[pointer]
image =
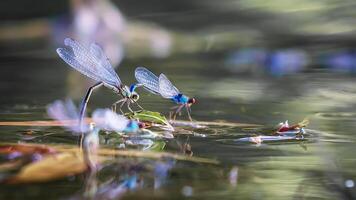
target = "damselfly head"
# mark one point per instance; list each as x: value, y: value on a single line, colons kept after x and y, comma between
x: 141, y: 125
x: 191, y: 101
x: 135, y: 96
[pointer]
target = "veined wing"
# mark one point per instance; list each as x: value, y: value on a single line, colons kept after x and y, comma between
x: 108, y: 120
x: 96, y: 59
x: 148, y: 79
x: 166, y: 88
x: 98, y: 52
x: 66, y: 113
x: 92, y: 63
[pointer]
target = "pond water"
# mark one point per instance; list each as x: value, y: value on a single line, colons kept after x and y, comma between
x: 319, y: 167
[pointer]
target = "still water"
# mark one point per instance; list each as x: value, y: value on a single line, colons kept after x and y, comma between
x: 320, y: 167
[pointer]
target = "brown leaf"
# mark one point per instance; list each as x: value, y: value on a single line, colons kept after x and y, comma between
x: 51, y: 167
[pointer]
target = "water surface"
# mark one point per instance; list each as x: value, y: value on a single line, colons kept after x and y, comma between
x: 316, y: 168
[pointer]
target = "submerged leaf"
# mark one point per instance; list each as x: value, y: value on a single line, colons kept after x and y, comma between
x: 51, y: 167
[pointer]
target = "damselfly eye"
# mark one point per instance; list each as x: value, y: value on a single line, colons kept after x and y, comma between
x: 135, y: 97
x: 191, y: 101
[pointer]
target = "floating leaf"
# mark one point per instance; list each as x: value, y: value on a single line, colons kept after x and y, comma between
x: 150, y: 116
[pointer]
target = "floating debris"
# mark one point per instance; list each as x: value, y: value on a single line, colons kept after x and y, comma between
x: 296, y: 129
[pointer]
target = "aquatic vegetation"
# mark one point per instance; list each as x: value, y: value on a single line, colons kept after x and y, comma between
x: 150, y: 118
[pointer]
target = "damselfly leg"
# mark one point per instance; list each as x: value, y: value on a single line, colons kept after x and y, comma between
x: 188, y: 111
x: 177, y: 111
x: 122, y: 101
x: 171, y: 113
x: 139, y: 105
x: 128, y: 102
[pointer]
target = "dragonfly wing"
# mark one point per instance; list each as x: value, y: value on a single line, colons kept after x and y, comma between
x: 166, y: 88
x: 87, y: 62
x: 108, y: 120
x: 64, y: 112
x: 148, y: 79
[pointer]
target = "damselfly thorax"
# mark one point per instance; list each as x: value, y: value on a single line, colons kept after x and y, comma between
x: 128, y: 96
x: 128, y: 92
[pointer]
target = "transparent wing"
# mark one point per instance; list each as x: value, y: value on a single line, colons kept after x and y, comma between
x: 98, y: 52
x: 166, y: 88
x: 92, y: 63
x: 67, y: 114
x: 108, y: 120
x: 148, y: 79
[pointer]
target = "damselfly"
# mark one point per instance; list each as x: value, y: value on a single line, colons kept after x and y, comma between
x: 93, y: 63
x: 162, y: 86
